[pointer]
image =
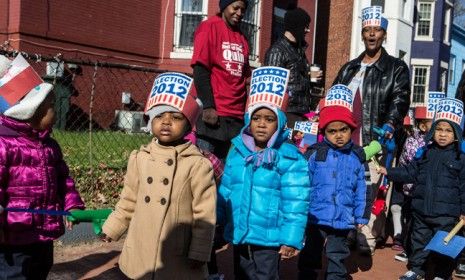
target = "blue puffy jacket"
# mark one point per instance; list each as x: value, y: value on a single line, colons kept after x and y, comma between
x: 339, y: 196
x: 264, y: 204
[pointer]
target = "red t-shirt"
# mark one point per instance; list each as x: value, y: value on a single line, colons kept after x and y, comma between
x: 225, y: 52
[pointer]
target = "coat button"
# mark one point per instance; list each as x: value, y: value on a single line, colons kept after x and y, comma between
x: 147, y: 199
x: 149, y: 180
x: 163, y: 201
x: 169, y: 162
x: 166, y: 181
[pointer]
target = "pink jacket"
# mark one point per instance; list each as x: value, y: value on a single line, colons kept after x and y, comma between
x: 33, y: 175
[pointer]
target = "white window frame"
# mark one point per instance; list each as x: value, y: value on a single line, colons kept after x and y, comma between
x: 182, y: 52
x: 430, y: 36
x: 451, y: 72
x: 426, y: 85
x: 447, y: 24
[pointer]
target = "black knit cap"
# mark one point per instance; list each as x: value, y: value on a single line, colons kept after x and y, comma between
x: 295, y: 21
x: 225, y: 3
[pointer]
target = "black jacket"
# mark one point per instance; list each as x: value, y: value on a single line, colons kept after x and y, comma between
x: 439, y: 179
x: 287, y: 55
x: 386, y: 91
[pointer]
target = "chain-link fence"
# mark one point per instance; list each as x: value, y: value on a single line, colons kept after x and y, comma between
x: 99, y: 118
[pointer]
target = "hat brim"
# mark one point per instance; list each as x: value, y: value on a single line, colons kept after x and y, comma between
x: 26, y: 107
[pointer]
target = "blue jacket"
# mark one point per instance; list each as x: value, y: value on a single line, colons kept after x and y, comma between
x: 439, y: 178
x: 264, y: 203
x: 339, y: 196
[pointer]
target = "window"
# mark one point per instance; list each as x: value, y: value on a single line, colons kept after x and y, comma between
x: 443, y: 81
x: 378, y: 3
x: 452, y: 69
x: 402, y: 54
x: 188, y: 15
x: 249, y: 27
x: 420, y: 83
x: 424, y: 26
x: 446, y: 29
x: 403, y: 9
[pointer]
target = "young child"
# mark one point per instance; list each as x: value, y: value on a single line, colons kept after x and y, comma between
x: 338, y: 201
x: 33, y: 174
x: 438, y: 199
x: 168, y: 201
x: 401, y: 195
x: 263, y: 197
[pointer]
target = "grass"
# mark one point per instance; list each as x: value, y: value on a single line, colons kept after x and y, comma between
x: 101, y: 148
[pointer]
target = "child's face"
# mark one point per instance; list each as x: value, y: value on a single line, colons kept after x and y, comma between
x: 44, y: 117
x: 169, y: 127
x: 444, y: 134
x: 425, y: 125
x: 338, y: 133
x: 263, y: 125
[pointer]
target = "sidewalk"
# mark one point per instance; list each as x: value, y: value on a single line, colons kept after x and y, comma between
x: 97, y: 259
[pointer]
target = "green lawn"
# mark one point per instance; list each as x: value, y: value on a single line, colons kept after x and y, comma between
x: 102, y: 148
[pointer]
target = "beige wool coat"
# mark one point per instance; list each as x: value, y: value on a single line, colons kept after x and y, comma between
x: 168, y: 208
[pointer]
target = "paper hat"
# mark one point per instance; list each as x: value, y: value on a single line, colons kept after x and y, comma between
x: 21, y: 88
x: 310, y: 131
x: 337, y: 106
x: 427, y: 111
x: 371, y: 16
x: 171, y: 93
x: 268, y: 88
x: 450, y: 109
x: 409, y: 118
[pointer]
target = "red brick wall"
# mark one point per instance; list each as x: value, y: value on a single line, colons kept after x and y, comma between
x: 334, y: 30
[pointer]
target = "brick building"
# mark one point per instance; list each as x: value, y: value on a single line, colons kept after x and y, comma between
x: 159, y: 34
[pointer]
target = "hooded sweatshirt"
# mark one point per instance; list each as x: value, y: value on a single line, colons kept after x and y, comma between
x: 266, y: 191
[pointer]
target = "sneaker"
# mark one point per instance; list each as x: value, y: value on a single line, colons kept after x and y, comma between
x: 460, y: 271
x: 402, y: 257
x: 410, y: 275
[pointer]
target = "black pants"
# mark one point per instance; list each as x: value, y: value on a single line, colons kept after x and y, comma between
x: 336, y: 251
x: 423, y: 230
x: 27, y: 262
x: 256, y: 262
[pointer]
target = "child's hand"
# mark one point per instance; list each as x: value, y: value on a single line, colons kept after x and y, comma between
x: 382, y: 170
x: 287, y: 252
x: 105, y: 238
x: 462, y: 217
x: 195, y: 264
x: 68, y: 224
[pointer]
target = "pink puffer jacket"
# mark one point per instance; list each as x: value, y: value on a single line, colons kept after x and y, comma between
x: 33, y: 175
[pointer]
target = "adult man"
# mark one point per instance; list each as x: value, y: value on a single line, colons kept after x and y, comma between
x: 381, y: 84
x: 221, y: 67
x: 289, y: 52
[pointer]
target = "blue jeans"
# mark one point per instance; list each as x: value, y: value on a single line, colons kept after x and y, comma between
x: 310, y: 258
x: 256, y: 262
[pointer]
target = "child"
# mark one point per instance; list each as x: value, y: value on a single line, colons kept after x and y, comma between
x: 438, y: 199
x: 33, y: 174
x: 401, y: 196
x: 263, y: 197
x: 338, y: 201
x: 168, y: 201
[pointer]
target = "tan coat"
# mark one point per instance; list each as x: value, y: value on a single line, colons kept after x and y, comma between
x: 168, y: 206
